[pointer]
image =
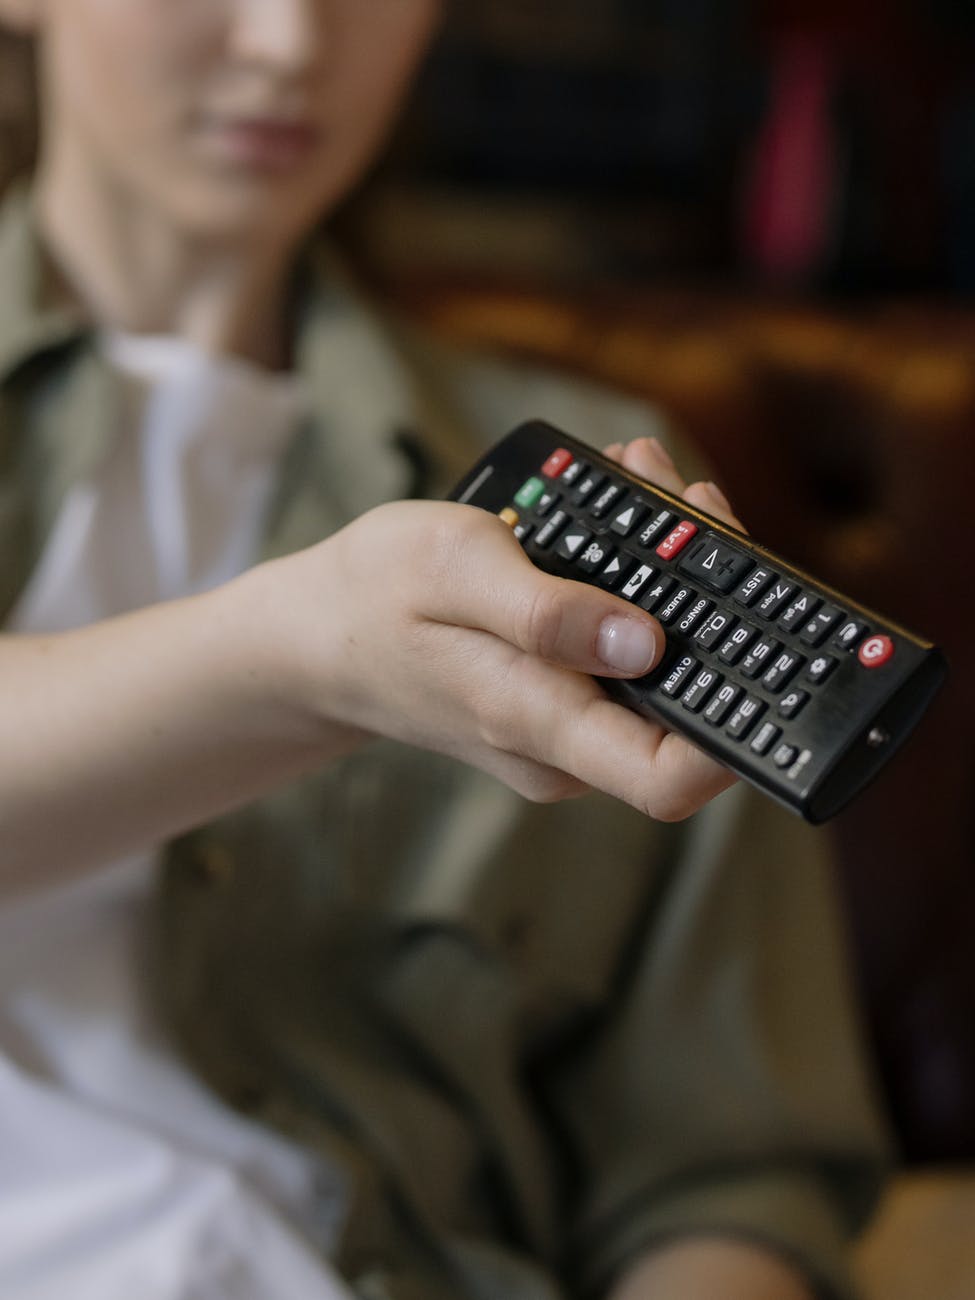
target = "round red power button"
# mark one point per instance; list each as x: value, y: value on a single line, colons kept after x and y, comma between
x: 876, y: 650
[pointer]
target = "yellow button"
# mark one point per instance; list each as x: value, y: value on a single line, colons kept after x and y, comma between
x: 509, y: 516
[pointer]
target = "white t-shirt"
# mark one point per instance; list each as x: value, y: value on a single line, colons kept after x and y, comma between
x: 121, y: 1176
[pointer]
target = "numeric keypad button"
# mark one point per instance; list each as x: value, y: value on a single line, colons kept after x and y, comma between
x: 817, y: 629
x: 760, y: 656
x: 699, y: 689
x: 714, y: 629
x: 799, y: 611
x: 783, y: 669
x: 747, y: 712
x: 721, y: 703
x: 776, y: 596
x: 736, y: 643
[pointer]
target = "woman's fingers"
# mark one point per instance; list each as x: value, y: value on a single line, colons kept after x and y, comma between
x: 482, y: 579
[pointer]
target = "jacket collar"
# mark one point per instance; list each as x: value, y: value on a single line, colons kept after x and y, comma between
x: 377, y: 429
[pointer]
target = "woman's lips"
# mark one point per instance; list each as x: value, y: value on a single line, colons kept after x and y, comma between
x: 268, y: 144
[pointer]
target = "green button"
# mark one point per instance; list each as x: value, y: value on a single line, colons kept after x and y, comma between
x: 529, y: 492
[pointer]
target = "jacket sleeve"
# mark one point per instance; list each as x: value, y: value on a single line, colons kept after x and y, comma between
x: 725, y: 1090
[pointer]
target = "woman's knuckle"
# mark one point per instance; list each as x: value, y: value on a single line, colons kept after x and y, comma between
x: 542, y: 620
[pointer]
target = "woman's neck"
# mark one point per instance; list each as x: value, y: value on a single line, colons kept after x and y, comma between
x: 135, y: 270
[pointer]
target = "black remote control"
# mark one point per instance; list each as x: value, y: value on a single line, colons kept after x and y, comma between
x: 793, y: 686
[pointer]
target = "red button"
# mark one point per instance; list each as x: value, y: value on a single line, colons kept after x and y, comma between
x: 678, y: 538
x: 557, y: 463
x: 876, y: 650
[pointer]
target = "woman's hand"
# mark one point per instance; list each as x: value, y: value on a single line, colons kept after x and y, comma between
x: 426, y: 622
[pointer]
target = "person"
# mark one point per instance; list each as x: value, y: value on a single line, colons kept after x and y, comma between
x: 455, y: 1041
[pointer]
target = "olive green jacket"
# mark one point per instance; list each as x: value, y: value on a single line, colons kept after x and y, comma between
x: 534, y: 1041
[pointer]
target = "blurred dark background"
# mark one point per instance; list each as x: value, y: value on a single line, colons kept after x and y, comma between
x: 826, y: 146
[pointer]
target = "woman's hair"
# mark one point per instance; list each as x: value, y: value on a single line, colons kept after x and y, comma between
x: 18, y: 107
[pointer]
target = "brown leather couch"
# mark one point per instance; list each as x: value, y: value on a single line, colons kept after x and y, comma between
x: 846, y: 440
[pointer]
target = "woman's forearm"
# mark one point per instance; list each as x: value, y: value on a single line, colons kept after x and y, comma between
x: 118, y: 735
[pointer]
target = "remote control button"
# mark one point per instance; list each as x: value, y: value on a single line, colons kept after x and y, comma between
x: 875, y: 651
x: 785, y: 755
x: 801, y: 609
x: 786, y: 665
x: 700, y: 688
x: 528, y: 493
x: 776, y: 596
x: 573, y: 472
x: 586, y: 486
x: 573, y: 542
x: 626, y: 521
x: 759, y: 656
x: 677, y: 539
x: 721, y: 703
x: 596, y: 554
x: 714, y: 629
x: 716, y: 565
x: 674, y: 680
x: 605, y: 501
x: 523, y: 531
x: 691, y: 617
x: 765, y: 737
x: 675, y: 603
x: 820, y: 625
x: 551, y: 528
x: 557, y: 463
x: 737, y: 643
x: 509, y: 516
x: 791, y: 705
x: 753, y: 586
x: 546, y: 503
x: 616, y: 570
x: 637, y: 581
x: 660, y: 590
x: 660, y: 522
x: 746, y: 714
x: 820, y: 669
x: 850, y: 634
